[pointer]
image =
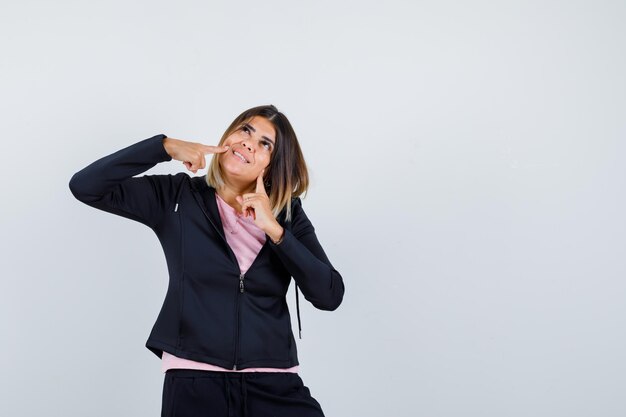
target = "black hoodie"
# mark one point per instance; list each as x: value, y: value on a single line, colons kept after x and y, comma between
x: 212, y: 313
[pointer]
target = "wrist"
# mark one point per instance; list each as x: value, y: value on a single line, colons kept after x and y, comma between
x: 276, y: 234
x: 166, y: 145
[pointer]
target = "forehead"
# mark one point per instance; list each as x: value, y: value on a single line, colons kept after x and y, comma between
x: 263, y: 127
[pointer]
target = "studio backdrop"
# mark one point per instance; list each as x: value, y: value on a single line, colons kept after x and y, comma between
x: 467, y: 180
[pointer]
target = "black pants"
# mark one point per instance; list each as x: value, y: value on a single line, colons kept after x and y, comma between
x: 198, y: 393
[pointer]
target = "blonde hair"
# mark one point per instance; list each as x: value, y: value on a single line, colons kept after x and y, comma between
x: 286, y: 176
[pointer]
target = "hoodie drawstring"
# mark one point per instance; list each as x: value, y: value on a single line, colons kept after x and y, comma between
x: 180, y: 187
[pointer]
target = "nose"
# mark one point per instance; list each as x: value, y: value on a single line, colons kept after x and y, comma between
x: 247, y: 146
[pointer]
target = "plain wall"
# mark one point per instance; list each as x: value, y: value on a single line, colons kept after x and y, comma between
x: 467, y: 167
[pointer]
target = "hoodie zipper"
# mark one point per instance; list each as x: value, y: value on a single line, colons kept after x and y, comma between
x: 241, y: 290
x: 239, y: 295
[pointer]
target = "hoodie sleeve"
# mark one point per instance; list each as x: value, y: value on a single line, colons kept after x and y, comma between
x: 303, y: 256
x: 108, y: 183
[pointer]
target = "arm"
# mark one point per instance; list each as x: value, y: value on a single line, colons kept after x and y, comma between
x: 303, y: 256
x: 108, y: 183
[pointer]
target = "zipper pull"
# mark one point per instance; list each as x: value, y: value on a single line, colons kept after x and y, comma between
x: 235, y: 367
x: 241, y: 282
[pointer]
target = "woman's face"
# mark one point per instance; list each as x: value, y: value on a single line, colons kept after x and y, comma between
x: 251, y: 148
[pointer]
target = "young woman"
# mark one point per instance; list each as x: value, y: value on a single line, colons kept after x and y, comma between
x: 233, y: 239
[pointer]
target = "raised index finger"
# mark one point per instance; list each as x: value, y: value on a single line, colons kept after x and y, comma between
x: 215, y: 149
x: 260, y: 187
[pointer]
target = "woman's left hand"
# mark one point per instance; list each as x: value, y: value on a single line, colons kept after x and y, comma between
x: 257, y: 205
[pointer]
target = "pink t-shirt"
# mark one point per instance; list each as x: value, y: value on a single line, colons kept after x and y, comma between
x: 246, y: 240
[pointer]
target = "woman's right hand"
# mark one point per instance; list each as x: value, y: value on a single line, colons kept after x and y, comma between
x: 192, y: 154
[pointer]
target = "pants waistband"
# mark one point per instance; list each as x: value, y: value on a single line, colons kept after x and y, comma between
x: 201, y: 373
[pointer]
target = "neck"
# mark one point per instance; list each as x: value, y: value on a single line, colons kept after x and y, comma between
x: 230, y: 190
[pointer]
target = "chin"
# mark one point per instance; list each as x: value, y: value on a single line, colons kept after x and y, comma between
x: 237, y: 176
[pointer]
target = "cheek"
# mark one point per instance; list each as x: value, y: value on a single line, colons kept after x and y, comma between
x: 233, y: 138
x: 265, y: 157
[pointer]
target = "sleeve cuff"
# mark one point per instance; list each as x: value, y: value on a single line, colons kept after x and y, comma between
x: 284, y: 241
x: 163, y: 155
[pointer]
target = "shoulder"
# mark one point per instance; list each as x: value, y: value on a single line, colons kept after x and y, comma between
x: 166, y: 182
x: 295, y: 205
x: 198, y: 183
x: 300, y: 223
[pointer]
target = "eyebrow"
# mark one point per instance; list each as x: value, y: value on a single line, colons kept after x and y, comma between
x: 264, y: 137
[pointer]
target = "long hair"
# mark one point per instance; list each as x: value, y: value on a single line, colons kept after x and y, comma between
x: 286, y: 176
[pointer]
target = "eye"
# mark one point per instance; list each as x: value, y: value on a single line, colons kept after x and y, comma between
x: 267, y: 145
x: 245, y: 129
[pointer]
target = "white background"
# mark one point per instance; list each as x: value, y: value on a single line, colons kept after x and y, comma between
x: 467, y: 167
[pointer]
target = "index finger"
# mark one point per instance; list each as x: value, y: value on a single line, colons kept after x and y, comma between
x: 215, y: 149
x: 260, y: 187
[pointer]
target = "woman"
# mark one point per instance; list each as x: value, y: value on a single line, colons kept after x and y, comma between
x: 233, y: 239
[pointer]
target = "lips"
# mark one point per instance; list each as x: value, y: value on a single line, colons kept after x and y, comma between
x: 242, y: 157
